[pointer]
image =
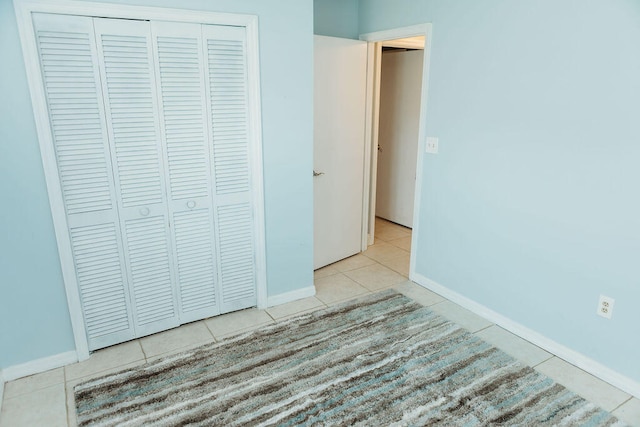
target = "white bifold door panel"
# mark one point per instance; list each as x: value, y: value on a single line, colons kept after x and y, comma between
x: 340, y: 67
x: 400, y: 92
x: 69, y: 64
x: 228, y: 117
x: 183, y: 117
x: 128, y: 85
x: 149, y: 124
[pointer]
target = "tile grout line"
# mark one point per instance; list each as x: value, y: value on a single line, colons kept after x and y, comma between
x: 270, y: 315
x: 209, y: 330
x: 528, y: 342
x: 545, y: 360
x: 346, y: 299
x: 66, y: 392
x: 440, y: 302
x: 329, y: 275
x: 144, y: 353
x: 485, y: 328
x: 299, y: 313
x: 623, y: 403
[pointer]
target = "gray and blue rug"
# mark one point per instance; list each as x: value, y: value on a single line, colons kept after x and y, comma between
x: 380, y: 360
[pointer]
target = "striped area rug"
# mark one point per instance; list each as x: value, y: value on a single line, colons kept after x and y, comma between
x: 381, y: 360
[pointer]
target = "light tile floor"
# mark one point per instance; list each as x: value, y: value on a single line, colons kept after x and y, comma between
x: 46, y: 399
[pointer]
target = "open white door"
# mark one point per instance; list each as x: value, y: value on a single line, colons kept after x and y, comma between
x: 339, y: 124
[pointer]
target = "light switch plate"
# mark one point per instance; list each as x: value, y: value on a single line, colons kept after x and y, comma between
x: 432, y: 145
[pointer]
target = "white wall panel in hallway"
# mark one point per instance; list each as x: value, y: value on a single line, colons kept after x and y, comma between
x: 400, y: 92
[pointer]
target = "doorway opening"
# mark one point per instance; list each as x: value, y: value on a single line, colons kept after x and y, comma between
x: 397, y: 78
x: 347, y: 133
x: 398, y: 124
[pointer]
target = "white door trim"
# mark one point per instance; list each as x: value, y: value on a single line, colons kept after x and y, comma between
x: 24, y: 9
x: 372, y: 111
x: 373, y: 97
x: 370, y: 115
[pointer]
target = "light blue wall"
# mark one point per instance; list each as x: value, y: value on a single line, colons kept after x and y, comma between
x: 34, y: 319
x: 532, y: 206
x: 336, y: 18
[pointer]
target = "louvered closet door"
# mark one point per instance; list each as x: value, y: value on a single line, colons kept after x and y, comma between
x: 129, y: 87
x: 226, y: 72
x: 183, y: 117
x: 70, y: 75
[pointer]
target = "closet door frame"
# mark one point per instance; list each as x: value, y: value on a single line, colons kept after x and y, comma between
x: 24, y: 10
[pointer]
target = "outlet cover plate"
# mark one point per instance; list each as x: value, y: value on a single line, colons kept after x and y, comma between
x: 605, y: 306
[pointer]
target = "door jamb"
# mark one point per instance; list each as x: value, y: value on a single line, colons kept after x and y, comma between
x: 372, y: 109
x: 372, y: 117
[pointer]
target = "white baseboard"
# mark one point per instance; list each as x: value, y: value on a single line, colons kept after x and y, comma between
x: 39, y: 365
x: 575, y: 358
x: 1, y: 389
x: 291, y: 296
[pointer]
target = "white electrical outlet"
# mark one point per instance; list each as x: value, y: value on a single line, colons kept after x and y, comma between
x: 605, y: 306
x: 432, y: 145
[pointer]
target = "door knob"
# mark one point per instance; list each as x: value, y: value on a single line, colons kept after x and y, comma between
x: 144, y: 211
x: 191, y: 204
x: 317, y: 173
